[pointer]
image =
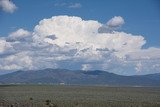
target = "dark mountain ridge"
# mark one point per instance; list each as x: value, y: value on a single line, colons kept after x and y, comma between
x: 79, y: 77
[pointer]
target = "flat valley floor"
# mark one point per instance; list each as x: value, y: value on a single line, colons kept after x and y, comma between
x: 78, y: 96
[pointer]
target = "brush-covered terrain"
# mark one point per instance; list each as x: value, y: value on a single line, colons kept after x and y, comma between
x: 78, y: 96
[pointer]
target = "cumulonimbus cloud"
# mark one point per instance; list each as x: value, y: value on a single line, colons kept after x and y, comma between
x: 7, y: 6
x: 73, y: 43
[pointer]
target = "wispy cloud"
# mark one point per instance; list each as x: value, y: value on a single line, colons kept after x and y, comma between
x: 60, y: 4
x: 75, y: 5
x: 68, y: 5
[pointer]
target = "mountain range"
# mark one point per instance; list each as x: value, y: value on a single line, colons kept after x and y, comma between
x: 78, y: 77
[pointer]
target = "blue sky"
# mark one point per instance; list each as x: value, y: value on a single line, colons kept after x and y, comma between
x: 130, y: 40
x: 141, y: 16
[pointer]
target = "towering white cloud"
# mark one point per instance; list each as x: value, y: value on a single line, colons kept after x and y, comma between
x: 73, y: 43
x: 7, y: 6
x: 66, y: 29
x: 77, y: 33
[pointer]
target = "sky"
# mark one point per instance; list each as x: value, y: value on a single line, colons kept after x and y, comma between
x: 121, y: 36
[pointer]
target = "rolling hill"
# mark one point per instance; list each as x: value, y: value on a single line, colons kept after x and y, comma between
x: 78, y: 77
